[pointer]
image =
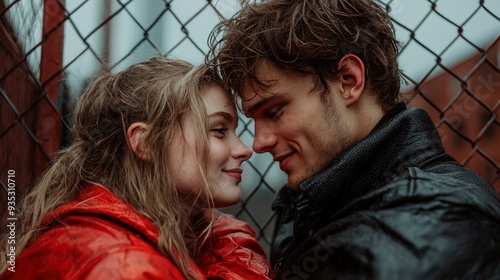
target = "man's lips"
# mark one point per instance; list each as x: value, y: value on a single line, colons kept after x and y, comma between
x: 284, y: 160
x: 235, y: 173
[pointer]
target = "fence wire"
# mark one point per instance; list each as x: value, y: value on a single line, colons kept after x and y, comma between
x: 50, y: 49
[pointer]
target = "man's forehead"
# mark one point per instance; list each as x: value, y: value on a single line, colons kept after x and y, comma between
x: 265, y: 71
x: 265, y: 76
x: 263, y: 87
x: 254, y: 101
x: 249, y: 97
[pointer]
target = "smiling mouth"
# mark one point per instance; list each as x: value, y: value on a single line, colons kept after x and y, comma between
x: 235, y: 173
x: 284, y: 161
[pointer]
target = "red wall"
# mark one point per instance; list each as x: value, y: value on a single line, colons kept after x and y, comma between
x: 470, y: 130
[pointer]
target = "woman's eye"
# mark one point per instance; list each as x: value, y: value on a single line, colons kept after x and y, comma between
x: 222, y: 131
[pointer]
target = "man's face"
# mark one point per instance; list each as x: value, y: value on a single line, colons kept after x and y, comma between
x: 302, y: 131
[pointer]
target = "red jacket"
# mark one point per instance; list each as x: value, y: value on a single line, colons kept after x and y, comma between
x: 99, y: 236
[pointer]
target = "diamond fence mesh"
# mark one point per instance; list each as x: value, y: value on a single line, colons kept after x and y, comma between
x: 49, y: 49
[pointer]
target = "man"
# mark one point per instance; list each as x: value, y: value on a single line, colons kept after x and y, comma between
x: 371, y: 192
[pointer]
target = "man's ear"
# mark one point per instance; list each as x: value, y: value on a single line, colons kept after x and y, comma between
x: 352, y: 78
x: 135, y: 137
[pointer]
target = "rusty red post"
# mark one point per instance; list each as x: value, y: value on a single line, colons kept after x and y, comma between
x: 48, y: 123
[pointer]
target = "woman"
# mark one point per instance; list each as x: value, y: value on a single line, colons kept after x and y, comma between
x: 154, y: 147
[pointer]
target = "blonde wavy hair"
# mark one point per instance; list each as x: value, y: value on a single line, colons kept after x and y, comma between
x: 159, y: 92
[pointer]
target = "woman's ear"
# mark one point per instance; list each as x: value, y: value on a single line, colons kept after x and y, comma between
x: 352, y: 78
x: 135, y: 137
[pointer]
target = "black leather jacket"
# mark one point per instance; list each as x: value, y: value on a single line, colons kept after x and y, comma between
x: 394, y: 206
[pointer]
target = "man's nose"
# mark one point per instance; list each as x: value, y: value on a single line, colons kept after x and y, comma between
x: 265, y: 139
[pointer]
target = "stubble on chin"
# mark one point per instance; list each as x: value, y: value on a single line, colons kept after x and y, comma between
x: 330, y: 155
x: 294, y: 181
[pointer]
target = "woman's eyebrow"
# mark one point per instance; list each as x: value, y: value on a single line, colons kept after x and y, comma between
x: 224, y: 115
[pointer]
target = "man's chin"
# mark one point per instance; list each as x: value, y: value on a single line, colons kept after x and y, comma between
x: 295, y: 180
x: 293, y: 183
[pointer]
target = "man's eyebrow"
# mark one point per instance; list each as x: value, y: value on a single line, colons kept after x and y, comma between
x: 255, y: 107
x: 223, y: 114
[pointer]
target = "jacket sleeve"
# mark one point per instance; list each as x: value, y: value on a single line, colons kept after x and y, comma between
x: 233, y: 252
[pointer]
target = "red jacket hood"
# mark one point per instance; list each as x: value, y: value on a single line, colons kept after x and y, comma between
x: 98, y: 200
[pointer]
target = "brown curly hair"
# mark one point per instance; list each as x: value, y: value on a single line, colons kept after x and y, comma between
x: 309, y: 38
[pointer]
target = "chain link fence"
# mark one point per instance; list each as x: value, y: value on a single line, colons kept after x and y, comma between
x: 49, y: 49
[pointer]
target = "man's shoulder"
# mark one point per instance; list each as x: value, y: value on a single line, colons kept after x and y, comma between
x: 407, y: 227
x: 419, y: 186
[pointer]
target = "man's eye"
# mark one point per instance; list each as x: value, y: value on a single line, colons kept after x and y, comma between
x: 274, y: 113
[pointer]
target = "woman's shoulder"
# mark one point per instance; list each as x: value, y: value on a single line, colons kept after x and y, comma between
x: 95, y: 234
x: 90, y: 256
x: 80, y: 253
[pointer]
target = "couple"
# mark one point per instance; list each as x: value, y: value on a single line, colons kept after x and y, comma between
x: 371, y: 193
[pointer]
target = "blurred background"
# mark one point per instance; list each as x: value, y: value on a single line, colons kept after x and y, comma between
x: 50, y: 49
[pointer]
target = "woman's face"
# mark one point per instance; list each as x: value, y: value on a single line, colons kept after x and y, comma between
x: 225, y: 155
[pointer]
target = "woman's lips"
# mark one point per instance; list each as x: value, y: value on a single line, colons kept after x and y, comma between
x: 235, y: 173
